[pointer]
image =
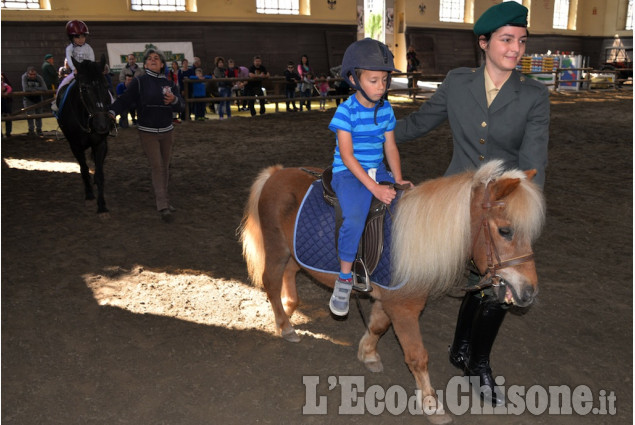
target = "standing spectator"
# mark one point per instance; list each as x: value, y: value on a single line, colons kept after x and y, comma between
x: 134, y: 70
x: 292, y: 79
x: 7, y: 105
x: 224, y: 88
x: 131, y: 68
x: 234, y: 72
x: 188, y: 72
x: 121, y: 89
x: 413, y: 66
x: 306, y: 88
x: 199, y: 90
x: 323, y: 88
x: 49, y: 73
x: 341, y: 87
x: 254, y: 86
x: 176, y: 76
x: 33, y: 82
x: 156, y: 97
x: 243, y: 72
x: 185, y: 73
x: 303, y: 69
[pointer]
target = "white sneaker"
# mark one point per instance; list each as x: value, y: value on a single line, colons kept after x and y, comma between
x: 341, y: 294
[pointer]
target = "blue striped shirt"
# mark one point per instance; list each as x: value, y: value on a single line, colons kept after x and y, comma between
x: 368, y: 137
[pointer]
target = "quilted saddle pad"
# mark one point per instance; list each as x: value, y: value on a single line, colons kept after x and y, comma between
x: 314, y: 238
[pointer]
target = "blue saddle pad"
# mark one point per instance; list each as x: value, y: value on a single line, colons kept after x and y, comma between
x: 314, y: 238
x: 64, y: 94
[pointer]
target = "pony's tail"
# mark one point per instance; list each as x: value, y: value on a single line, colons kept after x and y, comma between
x: 249, y: 230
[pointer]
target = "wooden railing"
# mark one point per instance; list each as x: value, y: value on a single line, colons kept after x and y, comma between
x: 275, y: 90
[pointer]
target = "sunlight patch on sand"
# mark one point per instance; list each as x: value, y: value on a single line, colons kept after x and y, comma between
x: 50, y: 166
x: 195, y: 298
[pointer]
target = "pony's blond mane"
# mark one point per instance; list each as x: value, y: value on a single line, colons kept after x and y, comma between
x: 431, y: 238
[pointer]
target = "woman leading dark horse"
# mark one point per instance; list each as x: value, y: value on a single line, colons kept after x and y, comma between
x: 156, y: 99
x: 494, y: 113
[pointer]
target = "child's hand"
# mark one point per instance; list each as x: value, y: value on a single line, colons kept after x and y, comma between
x: 384, y: 193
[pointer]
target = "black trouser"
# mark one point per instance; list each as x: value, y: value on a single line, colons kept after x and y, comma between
x: 255, y: 91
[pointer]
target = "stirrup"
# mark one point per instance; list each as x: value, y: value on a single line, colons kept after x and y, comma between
x: 357, y: 285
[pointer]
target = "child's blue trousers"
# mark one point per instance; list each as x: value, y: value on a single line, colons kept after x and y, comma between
x: 355, y: 201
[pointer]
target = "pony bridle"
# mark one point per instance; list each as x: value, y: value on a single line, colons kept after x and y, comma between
x: 494, y: 262
x: 93, y: 108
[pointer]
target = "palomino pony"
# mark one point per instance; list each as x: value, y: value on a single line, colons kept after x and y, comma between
x: 83, y: 118
x: 490, y: 216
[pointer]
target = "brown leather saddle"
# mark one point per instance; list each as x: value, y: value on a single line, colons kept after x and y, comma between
x: 371, y: 244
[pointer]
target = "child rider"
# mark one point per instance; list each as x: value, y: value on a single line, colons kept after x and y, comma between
x: 364, y: 126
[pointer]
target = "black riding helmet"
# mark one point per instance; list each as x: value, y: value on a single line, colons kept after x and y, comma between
x: 367, y: 54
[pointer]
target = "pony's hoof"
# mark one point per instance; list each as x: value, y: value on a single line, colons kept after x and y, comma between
x: 439, y: 418
x: 291, y: 336
x: 375, y: 366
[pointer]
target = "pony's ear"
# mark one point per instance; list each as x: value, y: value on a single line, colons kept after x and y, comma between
x: 531, y: 174
x: 75, y: 62
x: 102, y: 61
x: 502, y: 188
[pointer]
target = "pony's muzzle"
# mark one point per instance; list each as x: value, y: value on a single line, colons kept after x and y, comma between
x: 521, y: 298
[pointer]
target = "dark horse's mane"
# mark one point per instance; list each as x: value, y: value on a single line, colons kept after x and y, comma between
x: 85, y: 122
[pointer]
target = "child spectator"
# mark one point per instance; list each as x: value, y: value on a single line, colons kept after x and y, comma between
x: 292, y: 79
x: 323, y: 87
x: 121, y: 89
x: 306, y: 88
x: 199, y: 90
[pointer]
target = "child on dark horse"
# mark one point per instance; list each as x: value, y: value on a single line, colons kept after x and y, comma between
x: 364, y: 126
x: 78, y: 49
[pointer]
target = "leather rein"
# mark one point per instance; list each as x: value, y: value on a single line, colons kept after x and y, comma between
x: 494, y: 262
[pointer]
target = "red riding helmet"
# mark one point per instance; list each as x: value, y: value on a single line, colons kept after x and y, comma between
x: 76, y: 27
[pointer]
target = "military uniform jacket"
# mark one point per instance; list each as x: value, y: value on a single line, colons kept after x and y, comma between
x: 515, y: 127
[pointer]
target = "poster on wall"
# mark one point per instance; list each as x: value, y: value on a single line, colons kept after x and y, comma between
x: 173, y: 51
x: 571, y: 74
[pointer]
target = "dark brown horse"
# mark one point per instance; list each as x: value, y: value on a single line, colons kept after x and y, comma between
x: 490, y: 216
x: 83, y: 118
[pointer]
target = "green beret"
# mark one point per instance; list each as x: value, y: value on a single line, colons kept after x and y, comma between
x: 48, y: 56
x: 507, y: 13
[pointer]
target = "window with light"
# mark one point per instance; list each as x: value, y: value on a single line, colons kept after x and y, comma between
x: 452, y: 10
x: 561, y: 14
x: 278, y: 7
x: 158, y: 5
x: 20, y: 5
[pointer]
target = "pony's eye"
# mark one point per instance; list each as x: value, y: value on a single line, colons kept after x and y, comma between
x: 506, y: 232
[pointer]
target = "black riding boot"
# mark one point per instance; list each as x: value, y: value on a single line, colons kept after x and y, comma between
x: 459, y: 351
x: 488, y: 320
